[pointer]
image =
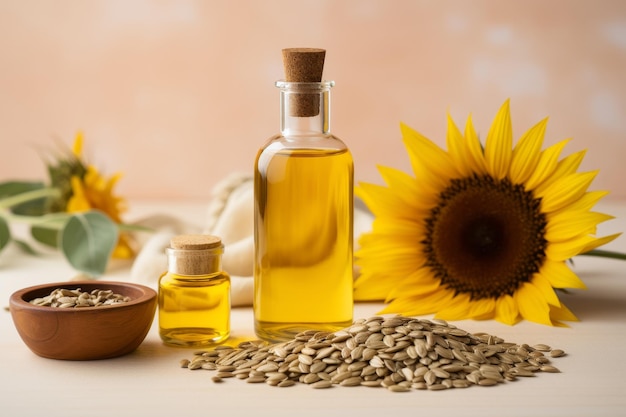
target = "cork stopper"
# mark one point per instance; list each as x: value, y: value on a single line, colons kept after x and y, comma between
x: 195, y: 242
x: 304, y: 65
x: 194, y: 254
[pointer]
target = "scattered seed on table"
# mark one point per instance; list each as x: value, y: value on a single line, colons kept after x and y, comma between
x: 556, y: 353
x: 397, y: 353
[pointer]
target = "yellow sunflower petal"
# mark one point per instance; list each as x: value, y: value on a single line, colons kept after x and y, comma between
x: 566, y: 166
x: 601, y: 241
x: 476, y: 153
x: 559, y: 275
x: 569, y: 224
x: 77, y: 148
x: 430, y: 163
x: 92, y: 177
x: 408, y: 189
x: 482, y: 309
x: 548, y: 161
x: 507, y: 311
x: 368, y: 275
x: 584, y: 203
x: 124, y: 248
x: 562, y: 251
x: 545, y: 287
x: 561, y: 313
x: 457, y: 149
x: 527, y: 153
x: 78, y: 202
x: 420, y: 305
x: 532, y: 304
x: 565, y: 191
x: 487, y: 316
x: 418, y: 283
x: 398, y: 229
x: 383, y: 241
x: 379, y: 199
x: 382, y: 245
x: 457, y: 309
x: 499, y: 142
x: 372, y: 287
x: 402, y: 263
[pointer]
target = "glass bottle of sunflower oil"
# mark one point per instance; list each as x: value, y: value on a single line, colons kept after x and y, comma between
x: 194, y: 293
x: 303, y: 274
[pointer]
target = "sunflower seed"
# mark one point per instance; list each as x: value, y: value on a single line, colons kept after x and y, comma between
x: 351, y: 382
x: 397, y: 353
x: 557, y: 353
x: 322, y: 384
x: 542, y: 348
x: 437, y: 387
x: 460, y: 383
x: 76, y: 298
x: 549, y: 368
x: 268, y: 367
x: 317, y: 367
x: 398, y: 388
x: 310, y: 378
x: 487, y: 382
x: 255, y: 379
x: 440, y: 373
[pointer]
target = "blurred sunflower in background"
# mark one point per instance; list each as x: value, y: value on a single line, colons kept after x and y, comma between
x: 82, y: 188
x: 479, y: 232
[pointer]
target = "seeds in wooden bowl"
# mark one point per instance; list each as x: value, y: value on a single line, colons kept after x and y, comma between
x: 76, y: 298
x: 398, y: 353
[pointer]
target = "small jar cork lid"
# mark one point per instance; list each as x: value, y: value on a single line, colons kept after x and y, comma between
x: 194, y: 254
x: 195, y: 242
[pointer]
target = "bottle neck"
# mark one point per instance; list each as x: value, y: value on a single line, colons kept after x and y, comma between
x: 194, y: 262
x: 304, y: 108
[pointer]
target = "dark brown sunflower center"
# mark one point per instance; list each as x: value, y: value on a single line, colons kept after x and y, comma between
x: 485, y: 237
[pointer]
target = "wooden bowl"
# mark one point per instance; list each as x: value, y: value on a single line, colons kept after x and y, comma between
x: 85, y: 333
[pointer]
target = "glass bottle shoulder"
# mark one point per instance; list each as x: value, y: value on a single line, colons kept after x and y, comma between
x: 320, y: 143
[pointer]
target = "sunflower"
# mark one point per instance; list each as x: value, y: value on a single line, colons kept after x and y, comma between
x: 89, y: 190
x: 479, y: 232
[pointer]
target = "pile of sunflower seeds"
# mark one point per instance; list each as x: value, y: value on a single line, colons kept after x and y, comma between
x: 397, y: 353
x: 65, y: 298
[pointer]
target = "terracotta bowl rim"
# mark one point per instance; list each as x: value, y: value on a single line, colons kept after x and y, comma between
x: 17, y: 298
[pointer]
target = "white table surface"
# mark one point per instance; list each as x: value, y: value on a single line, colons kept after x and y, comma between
x: 150, y: 382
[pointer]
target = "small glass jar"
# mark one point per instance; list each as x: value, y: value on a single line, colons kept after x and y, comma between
x: 194, y: 293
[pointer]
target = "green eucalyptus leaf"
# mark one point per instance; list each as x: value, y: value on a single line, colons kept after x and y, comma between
x: 5, y: 233
x: 24, y: 246
x: 35, y: 207
x: 11, y: 188
x: 87, y: 241
x: 47, y: 236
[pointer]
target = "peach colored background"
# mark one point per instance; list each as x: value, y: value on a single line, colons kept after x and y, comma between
x: 177, y: 94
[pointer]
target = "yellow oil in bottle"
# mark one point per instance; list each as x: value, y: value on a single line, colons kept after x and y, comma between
x: 194, y: 311
x: 303, y: 241
x: 194, y: 293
